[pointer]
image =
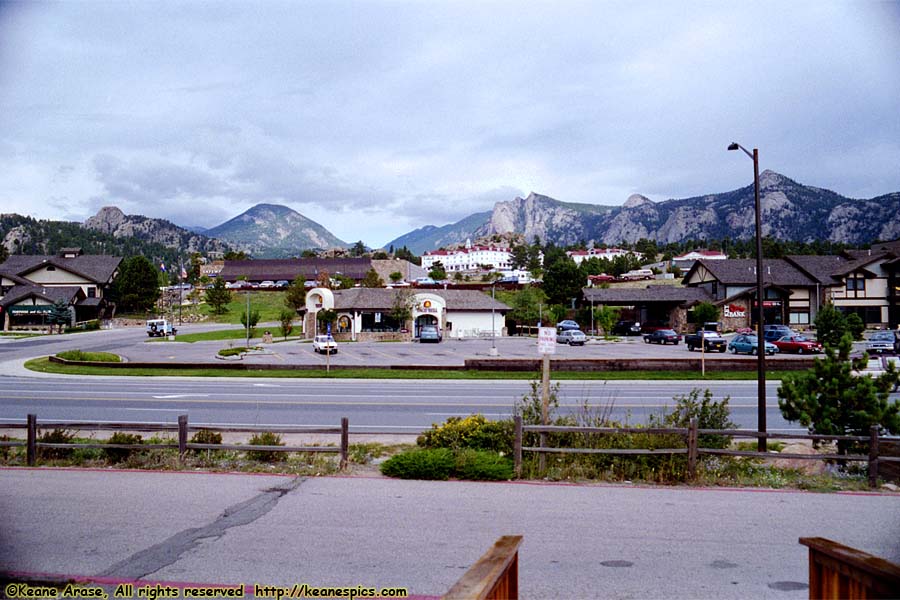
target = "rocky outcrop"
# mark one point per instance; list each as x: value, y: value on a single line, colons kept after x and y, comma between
x: 790, y: 211
x: 111, y: 220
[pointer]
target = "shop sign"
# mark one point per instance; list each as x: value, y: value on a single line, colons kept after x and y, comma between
x: 735, y: 311
x: 768, y: 303
x: 30, y: 310
x: 426, y: 307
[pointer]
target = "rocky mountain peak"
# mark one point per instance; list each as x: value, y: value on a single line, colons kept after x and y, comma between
x: 771, y: 180
x: 107, y: 220
x: 636, y: 200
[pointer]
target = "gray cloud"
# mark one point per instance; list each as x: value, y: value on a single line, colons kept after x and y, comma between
x: 375, y: 118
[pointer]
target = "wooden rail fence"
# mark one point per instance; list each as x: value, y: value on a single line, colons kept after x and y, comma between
x: 693, y: 450
x: 182, y: 444
x: 494, y: 577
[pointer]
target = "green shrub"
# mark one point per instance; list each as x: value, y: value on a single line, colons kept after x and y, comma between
x: 232, y: 351
x: 478, y: 465
x: 473, y: 431
x: 266, y: 438
x: 80, y: 355
x: 710, y: 414
x: 205, y: 436
x: 117, y: 455
x: 435, y: 463
x: 57, y: 436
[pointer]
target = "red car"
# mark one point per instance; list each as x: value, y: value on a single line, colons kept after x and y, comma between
x: 798, y: 344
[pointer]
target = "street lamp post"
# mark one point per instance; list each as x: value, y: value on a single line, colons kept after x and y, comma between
x: 760, y: 297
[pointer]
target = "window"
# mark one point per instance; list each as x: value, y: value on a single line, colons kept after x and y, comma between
x: 51, y: 268
x: 92, y: 292
x: 857, y: 284
x: 799, y: 318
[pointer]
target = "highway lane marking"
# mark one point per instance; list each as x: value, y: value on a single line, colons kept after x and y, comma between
x: 156, y: 409
x: 180, y: 396
x: 460, y: 402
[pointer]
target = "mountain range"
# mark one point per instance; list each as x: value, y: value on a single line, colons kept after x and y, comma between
x: 790, y: 211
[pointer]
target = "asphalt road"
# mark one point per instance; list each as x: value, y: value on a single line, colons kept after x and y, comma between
x: 580, y: 541
x: 369, y: 404
x: 382, y: 405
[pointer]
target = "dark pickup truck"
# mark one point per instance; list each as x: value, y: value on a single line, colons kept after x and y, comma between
x: 711, y: 340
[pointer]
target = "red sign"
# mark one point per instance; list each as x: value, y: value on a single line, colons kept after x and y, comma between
x: 734, y: 311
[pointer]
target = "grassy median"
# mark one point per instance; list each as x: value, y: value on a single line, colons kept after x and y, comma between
x: 43, y: 365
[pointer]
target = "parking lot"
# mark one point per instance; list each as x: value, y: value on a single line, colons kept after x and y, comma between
x: 449, y: 352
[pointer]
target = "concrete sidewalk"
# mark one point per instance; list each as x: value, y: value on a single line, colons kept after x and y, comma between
x: 581, y: 541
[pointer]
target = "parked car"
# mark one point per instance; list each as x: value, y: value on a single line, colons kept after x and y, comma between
x: 705, y: 340
x: 627, y: 328
x: 749, y: 344
x: 567, y: 325
x: 572, y: 337
x: 880, y: 341
x: 425, y: 281
x: 267, y: 284
x: 282, y: 283
x: 324, y: 344
x: 160, y: 328
x: 430, y: 333
x: 662, y: 336
x: 654, y: 324
x: 776, y: 332
x: 797, y: 343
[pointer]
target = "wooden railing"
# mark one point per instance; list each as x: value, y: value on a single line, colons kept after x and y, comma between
x: 182, y: 444
x: 692, y: 448
x: 838, y: 571
x: 494, y: 577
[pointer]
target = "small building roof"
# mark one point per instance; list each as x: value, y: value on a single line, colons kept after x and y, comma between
x: 383, y: 299
x: 290, y: 268
x: 742, y: 271
x: 98, y: 268
x: 52, y: 294
x: 652, y: 293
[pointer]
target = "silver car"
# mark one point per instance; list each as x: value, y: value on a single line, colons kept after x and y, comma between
x: 572, y: 337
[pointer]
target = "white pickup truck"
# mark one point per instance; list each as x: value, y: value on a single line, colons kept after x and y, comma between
x: 160, y: 328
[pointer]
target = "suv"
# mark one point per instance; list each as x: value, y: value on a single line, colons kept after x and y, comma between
x: 324, y: 344
x: 776, y: 332
x: 160, y: 328
x: 430, y: 333
x: 627, y: 328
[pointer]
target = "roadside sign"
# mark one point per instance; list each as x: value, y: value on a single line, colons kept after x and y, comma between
x: 328, y: 328
x: 547, y: 340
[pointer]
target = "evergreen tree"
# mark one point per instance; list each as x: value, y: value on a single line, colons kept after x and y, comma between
x: 830, y: 400
x: 295, y: 294
x: 59, y: 315
x: 372, y: 280
x: 563, y: 281
x: 218, y: 296
x: 136, y: 289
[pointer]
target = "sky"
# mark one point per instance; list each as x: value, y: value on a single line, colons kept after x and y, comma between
x: 376, y: 118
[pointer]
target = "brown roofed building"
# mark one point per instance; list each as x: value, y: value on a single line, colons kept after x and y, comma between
x: 31, y: 284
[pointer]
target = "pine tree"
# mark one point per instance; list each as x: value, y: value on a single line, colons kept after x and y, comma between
x: 830, y: 400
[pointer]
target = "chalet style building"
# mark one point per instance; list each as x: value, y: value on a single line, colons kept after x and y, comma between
x: 31, y: 285
x: 864, y: 282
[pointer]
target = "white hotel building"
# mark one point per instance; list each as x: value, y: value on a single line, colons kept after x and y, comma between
x: 581, y: 255
x: 470, y: 258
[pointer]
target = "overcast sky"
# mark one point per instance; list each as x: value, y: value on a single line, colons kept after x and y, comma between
x: 376, y: 118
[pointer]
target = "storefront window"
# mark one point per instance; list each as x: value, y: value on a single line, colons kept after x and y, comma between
x: 799, y: 318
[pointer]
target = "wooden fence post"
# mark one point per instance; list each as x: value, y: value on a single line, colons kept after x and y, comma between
x: 345, y: 441
x: 31, y: 444
x: 517, y: 446
x: 873, y: 456
x: 182, y: 436
x: 692, y: 442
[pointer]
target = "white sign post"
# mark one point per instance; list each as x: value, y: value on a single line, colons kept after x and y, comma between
x: 546, y: 347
